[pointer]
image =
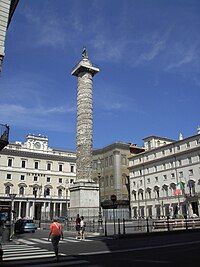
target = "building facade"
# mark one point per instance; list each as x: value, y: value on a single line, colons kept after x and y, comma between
x: 165, y: 178
x: 110, y: 170
x: 7, y: 9
x: 38, y: 177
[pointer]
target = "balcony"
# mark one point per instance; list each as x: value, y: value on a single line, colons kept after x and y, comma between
x: 4, y: 135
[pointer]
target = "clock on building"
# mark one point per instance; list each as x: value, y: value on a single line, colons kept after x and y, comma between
x: 37, y: 145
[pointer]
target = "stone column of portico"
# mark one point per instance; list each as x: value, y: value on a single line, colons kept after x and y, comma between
x: 27, y: 209
x: 84, y: 197
x: 19, y: 211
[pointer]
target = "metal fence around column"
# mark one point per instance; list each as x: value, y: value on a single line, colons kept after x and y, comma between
x: 125, y: 226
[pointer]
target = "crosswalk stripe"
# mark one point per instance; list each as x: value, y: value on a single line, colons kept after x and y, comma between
x: 23, y: 257
x: 64, y: 240
x: 73, y: 239
x: 20, y: 250
x: 26, y: 241
x: 39, y: 240
x: 13, y: 252
x: 44, y: 240
x: 24, y: 252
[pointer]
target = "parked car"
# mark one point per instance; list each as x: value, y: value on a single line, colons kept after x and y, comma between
x: 25, y: 226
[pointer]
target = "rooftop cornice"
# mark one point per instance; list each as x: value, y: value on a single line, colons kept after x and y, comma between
x: 163, y: 158
x: 167, y: 146
x: 36, y: 155
x: 116, y: 145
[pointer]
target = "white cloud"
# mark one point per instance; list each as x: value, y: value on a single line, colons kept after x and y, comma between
x: 184, y: 56
x: 37, y: 117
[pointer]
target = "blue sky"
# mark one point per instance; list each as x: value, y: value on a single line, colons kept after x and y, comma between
x: 148, y: 52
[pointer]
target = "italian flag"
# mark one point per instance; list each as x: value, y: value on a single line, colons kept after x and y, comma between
x: 179, y: 188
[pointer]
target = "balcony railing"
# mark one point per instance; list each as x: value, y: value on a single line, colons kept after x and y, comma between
x: 4, y: 135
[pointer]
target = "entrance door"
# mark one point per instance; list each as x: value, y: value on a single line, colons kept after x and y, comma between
x: 38, y: 211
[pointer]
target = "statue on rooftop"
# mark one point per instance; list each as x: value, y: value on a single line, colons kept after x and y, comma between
x: 85, y: 53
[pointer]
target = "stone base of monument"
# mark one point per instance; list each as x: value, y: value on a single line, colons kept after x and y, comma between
x: 84, y: 200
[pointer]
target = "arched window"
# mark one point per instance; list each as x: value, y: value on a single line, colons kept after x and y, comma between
x: 60, y: 192
x: 148, y: 192
x: 173, y: 188
x: 165, y: 190
x: 7, y: 190
x: 157, y: 191
x: 141, y: 194
x: 191, y: 185
x: 134, y: 194
x: 21, y: 190
x: 47, y: 191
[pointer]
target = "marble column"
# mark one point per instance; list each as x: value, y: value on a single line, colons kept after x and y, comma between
x: 27, y: 208
x: 84, y: 193
x: 19, y: 211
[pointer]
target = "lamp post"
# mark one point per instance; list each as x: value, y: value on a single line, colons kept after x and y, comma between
x: 100, y: 220
x: 113, y: 198
x: 129, y: 197
x: 35, y: 195
x: 12, y: 197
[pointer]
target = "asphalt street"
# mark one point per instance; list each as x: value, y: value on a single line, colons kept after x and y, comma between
x: 177, y: 249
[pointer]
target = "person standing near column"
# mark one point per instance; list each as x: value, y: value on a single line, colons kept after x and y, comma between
x: 55, y: 234
x: 78, y: 221
x: 82, y: 231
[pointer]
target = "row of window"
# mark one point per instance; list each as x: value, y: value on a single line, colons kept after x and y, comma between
x: 47, y: 191
x: 36, y: 165
x: 164, y: 177
x: 166, y: 166
x: 168, y: 151
x: 108, y: 161
x: 36, y: 179
x: 166, y: 191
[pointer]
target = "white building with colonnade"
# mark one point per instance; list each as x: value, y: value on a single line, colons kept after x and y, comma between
x: 38, y: 176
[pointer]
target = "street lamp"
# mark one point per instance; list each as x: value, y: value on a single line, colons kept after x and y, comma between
x: 100, y: 220
x: 113, y: 198
x: 129, y: 196
x: 12, y: 197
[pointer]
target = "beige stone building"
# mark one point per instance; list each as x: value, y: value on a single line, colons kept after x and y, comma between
x: 38, y: 176
x: 165, y: 178
x: 110, y: 169
x: 7, y: 9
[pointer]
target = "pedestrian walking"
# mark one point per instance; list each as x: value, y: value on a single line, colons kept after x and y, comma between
x: 55, y: 235
x: 78, y: 221
x: 82, y: 230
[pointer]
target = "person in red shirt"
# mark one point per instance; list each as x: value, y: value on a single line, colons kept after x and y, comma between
x: 55, y: 234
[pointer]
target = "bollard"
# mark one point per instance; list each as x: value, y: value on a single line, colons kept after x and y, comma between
x: 147, y: 225
x: 124, y: 230
x: 93, y: 225
x: 186, y: 224
x: 119, y: 232
x: 168, y: 228
x: 105, y: 227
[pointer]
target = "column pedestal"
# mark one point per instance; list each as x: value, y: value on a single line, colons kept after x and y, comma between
x: 84, y: 199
